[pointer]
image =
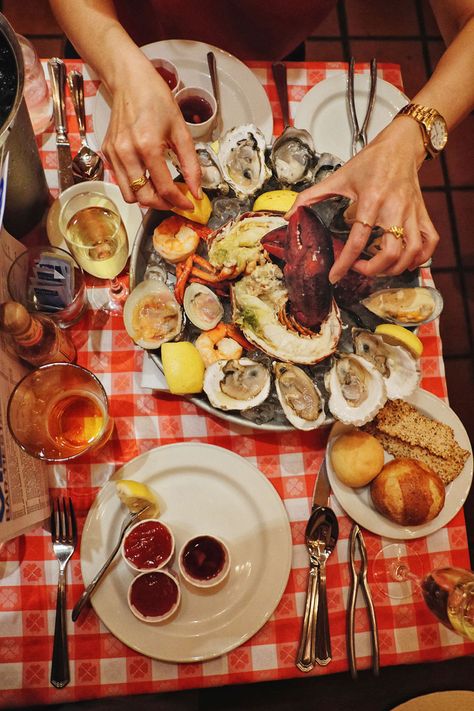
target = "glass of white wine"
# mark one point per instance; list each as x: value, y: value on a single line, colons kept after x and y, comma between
x: 96, y: 236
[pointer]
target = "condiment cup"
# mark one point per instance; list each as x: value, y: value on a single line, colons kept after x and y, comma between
x: 134, y: 535
x: 161, y: 63
x: 149, y: 588
x: 201, y: 129
x: 185, y: 569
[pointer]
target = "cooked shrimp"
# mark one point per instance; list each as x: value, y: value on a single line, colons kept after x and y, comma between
x: 220, y: 344
x: 175, y: 238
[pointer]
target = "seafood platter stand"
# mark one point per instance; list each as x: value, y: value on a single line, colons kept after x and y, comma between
x: 107, y: 660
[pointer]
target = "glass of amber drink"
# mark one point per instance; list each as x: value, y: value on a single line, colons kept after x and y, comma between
x: 58, y: 412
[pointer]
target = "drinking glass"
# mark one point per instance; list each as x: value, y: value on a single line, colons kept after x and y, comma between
x: 36, y: 91
x: 25, y: 285
x: 58, y: 412
x: 96, y: 236
x: 448, y: 592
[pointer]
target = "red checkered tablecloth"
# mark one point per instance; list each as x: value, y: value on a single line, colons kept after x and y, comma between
x: 103, y: 666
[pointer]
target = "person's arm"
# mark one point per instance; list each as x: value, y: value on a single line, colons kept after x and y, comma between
x: 145, y: 120
x: 382, y: 179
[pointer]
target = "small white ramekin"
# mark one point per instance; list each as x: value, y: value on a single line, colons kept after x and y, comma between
x: 211, y: 582
x: 155, y: 618
x: 164, y: 562
x: 199, y: 130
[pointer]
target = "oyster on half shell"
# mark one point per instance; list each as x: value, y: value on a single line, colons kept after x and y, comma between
x: 397, y: 366
x: 293, y: 157
x: 242, y: 159
x: 299, y: 397
x: 357, y: 389
x: 211, y: 172
x: 236, y: 384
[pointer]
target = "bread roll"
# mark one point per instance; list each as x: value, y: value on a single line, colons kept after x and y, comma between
x: 408, y: 492
x: 356, y: 458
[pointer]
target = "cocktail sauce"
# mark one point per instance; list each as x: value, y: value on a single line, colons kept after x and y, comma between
x: 169, y: 76
x: 154, y: 594
x: 203, y: 558
x: 148, y: 545
x: 195, y: 109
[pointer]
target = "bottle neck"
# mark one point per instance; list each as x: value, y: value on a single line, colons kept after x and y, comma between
x: 32, y: 335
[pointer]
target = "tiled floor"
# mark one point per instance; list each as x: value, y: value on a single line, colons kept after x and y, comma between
x: 403, y: 32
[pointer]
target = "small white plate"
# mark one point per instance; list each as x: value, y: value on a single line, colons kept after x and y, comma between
x: 243, y: 98
x: 324, y: 111
x: 131, y: 213
x: 202, y: 490
x: 357, y: 503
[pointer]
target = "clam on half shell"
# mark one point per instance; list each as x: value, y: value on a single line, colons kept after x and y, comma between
x: 151, y: 314
x: 299, y: 397
x: 236, y: 384
x: 203, y: 308
x: 406, y: 306
x: 397, y: 366
x: 357, y: 389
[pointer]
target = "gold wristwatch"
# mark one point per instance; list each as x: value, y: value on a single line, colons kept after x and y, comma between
x: 433, y: 127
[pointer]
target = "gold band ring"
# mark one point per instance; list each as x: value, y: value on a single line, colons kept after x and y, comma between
x: 396, y: 231
x: 364, y: 223
x: 138, y: 183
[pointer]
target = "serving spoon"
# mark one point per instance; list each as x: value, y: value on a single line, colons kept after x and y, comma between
x: 86, y: 164
x: 321, y: 534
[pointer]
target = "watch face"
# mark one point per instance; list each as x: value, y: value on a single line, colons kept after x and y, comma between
x: 438, y: 134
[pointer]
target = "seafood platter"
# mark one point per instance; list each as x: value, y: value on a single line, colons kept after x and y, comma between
x: 281, y: 347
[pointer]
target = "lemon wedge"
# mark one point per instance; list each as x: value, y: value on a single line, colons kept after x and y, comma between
x: 400, y: 336
x: 136, y: 496
x: 202, y: 209
x: 183, y: 367
x: 275, y: 200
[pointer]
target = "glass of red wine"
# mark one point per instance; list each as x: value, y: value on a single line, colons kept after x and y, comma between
x: 448, y: 592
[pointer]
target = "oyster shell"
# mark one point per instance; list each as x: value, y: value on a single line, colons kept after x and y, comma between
x: 357, y: 389
x: 211, y: 171
x: 242, y: 158
x: 292, y: 157
x: 406, y: 306
x: 203, y: 308
x: 299, y: 397
x: 397, y: 366
x: 151, y: 314
x: 236, y: 384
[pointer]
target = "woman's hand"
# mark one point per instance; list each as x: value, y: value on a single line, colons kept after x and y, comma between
x: 145, y: 122
x: 383, y: 182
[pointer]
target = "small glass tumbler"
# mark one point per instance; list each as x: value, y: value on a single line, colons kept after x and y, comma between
x: 36, y: 90
x: 49, y: 280
x: 58, y: 412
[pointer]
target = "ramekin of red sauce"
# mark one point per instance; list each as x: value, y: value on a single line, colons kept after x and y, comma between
x: 204, y: 561
x: 148, y: 545
x: 155, y: 596
x: 168, y: 72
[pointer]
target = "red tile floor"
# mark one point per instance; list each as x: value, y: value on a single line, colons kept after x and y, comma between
x: 404, y: 32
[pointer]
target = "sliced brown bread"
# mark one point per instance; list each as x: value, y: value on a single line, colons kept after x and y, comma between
x: 447, y: 469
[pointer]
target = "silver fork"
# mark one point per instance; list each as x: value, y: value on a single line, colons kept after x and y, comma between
x: 64, y: 537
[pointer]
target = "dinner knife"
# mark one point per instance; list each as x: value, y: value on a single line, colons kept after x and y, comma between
x: 321, y: 487
x: 57, y: 74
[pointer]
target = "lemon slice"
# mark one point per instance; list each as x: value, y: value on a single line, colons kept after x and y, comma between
x: 136, y: 496
x: 275, y: 200
x: 202, y: 208
x: 183, y: 367
x: 400, y: 336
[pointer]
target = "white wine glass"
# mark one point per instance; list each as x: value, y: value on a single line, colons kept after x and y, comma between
x: 95, y: 234
x: 448, y: 592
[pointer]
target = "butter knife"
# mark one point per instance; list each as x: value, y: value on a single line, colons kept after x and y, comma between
x: 57, y: 74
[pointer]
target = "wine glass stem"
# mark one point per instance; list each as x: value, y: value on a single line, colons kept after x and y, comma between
x: 118, y: 291
x: 402, y: 572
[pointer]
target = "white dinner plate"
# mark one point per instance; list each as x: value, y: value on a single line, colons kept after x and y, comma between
x: 202, y: 489
x: 357, y: 503
x: 324, y: 111
x: 243, y: 98
x: 130, y: 213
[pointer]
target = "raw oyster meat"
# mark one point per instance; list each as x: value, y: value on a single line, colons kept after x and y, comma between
x: 292, y: 157
x: 397, y: 366
x: 299, y: 397
x: 242, y: 158
x: 236, y: 384
x: 357, y: 389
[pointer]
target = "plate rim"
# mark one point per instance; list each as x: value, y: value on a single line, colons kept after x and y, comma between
x: 406, y: 532
x: 106, y: 491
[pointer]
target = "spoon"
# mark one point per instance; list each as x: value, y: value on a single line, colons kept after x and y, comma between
x: 98, y: 577
x: 321, y: 535
x: 87, y: 164
x: 211, y: 63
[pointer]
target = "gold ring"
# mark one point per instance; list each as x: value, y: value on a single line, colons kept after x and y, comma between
x: 396, y: 231
x: 138, y: 183
x: 364, y: 223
